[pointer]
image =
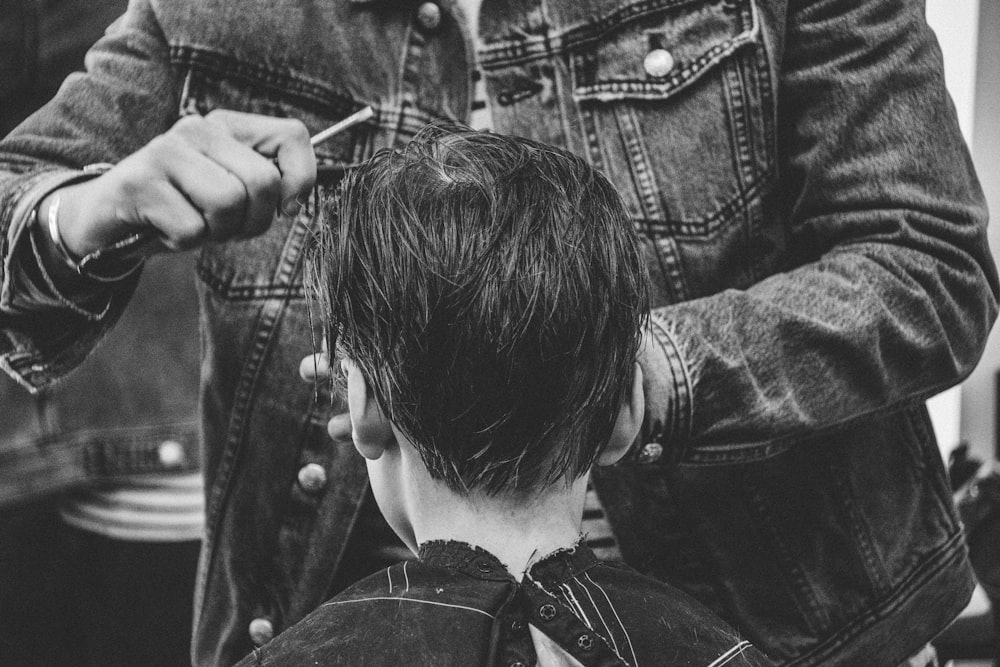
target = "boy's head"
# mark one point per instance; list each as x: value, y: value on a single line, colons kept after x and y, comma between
x: 490, y: 290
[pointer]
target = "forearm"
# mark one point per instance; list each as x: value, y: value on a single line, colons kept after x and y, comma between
x: 890, y: 289
x: 51, y: 319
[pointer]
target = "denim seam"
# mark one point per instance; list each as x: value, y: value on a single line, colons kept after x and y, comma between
x: 762, y: 83
x: 248, y: 292
x: 803, y: 594
x: 209, y: 62
x: 287, y: 529
x: 734, y: 89
x: 609, y: 90
x: 642, y: 176
x: 677, y: 429
x: 410, y: 74
x: 592, y: 137
x: 267, y: 321
x: 666, y: 254
x: 878, y: 577
x: 716, y: 454
x: 716, y: 220
x: 507, y: 53
x: 914, y: 582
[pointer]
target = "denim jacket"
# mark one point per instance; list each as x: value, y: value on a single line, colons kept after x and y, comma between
x: 113, y: 417
x: 814, y: 229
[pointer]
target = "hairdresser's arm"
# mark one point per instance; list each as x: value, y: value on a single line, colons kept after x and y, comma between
x: 897, y: 291
x: 181, y: 182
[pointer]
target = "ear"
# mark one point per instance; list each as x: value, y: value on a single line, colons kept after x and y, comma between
x: 370, y: 430
x: 629, y: 421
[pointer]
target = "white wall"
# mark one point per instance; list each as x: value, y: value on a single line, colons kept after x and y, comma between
x: 955, y: 22
x: 979, y: 392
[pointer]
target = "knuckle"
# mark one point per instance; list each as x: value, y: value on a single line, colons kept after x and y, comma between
x: 227, y: 217
x: 297, y: 130
x: 186, y: 237
x: 233, y: 197
x: 191, y: 125
x: 161, y: 147
x: 219, y: 116
x: 265, y: 184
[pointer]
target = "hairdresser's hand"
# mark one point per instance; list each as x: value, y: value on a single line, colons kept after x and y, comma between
x: 316, y: 368
x: 216, y: 177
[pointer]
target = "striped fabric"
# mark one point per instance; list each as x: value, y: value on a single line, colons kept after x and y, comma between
x: 148, y: 508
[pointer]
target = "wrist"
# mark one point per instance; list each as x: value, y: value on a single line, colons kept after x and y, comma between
x: 60, y: 214
x: 82, y: 247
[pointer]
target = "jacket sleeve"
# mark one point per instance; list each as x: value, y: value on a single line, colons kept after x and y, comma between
x: 893, y: 291
x: 127, y: 96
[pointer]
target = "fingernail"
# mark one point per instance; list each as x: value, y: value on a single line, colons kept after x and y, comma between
x: 339, y: 427
x: 314, y: 367
x: 291, y: 207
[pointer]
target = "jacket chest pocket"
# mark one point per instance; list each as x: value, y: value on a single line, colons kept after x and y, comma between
x: 267, y: 266
x: 673, y: 101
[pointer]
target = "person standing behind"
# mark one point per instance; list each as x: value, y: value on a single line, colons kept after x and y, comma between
x: 101, y: 501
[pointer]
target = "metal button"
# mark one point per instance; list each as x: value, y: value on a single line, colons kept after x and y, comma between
x: 171, y: 453
x: 547, y: 612
x: 312, y: 477
x: 585, y: 641
x: 517, y: 663
x: 261, y: 631
x: 658, y: 63
x: 650, y: 452
x: 429, y: 16
x: 484, y: 567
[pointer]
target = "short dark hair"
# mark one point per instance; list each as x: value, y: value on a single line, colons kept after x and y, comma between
x: 492, y: 291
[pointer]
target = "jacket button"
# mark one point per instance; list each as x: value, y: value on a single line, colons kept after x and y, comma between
x: 547, y: 612
x: 585, y: 642
x: 650, y: 452
x: 429, y: 16
x: 261, y: 631
x: 312, y: 477
x: 658, y: 63
x: 170, y: 453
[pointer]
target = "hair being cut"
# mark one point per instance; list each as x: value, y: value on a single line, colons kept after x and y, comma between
x: 492, y: 291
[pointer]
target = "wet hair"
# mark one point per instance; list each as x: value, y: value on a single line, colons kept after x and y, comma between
x: 492, y: 291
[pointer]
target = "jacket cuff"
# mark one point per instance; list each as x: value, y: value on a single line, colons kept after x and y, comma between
x: 667, y: 385
x: 33, y: 278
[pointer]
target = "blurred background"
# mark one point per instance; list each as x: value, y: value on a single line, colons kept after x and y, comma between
x: 101, y: 503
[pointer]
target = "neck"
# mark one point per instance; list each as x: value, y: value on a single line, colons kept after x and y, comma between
x: 517, y: 531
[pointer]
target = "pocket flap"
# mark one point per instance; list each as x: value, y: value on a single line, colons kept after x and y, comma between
x: 654, y: 54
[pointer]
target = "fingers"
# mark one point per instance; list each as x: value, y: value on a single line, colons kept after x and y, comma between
x: 168, y: 209
x: 222, y: 176
x: 339, y: 427
x: 250, y: 183
x: 315, y: 366
x: 222, y: 198
x: 285, y: 140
